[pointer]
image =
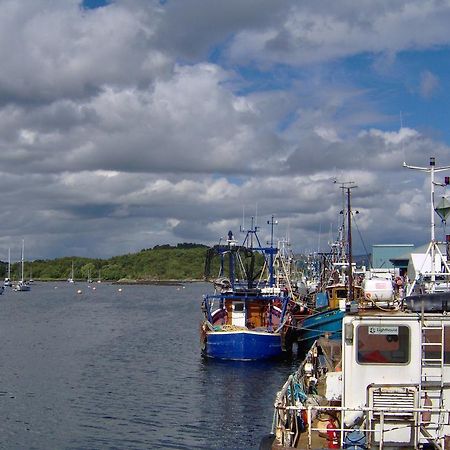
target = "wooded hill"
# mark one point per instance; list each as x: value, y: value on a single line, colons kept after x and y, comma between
x: 162, y: 262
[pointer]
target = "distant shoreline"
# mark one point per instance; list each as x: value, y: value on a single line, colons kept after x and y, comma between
x: 156, y: 282
x: 124, y: 282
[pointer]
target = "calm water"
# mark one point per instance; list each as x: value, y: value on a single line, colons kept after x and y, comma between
x: 122, y: 370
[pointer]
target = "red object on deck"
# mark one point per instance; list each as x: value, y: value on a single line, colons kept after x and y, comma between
x: 332, y: 434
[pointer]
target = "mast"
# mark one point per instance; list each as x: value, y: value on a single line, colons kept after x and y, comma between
x: 346, y: 194
x: 432, y: 248
x: 272, y: 222
x: 349, y: 240
x: 23, y: 248
x: 9, y: 263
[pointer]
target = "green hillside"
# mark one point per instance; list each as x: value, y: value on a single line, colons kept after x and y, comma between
x: 165, y: 262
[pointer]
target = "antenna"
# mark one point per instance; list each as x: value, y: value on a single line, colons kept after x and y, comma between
x: 433, y: 247
x: 401, y: 128
x: 242, y: 227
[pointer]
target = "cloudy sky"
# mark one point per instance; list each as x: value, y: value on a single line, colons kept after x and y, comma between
x: 132, y: 123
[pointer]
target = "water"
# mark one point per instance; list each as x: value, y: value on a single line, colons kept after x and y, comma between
x: 122, y: 370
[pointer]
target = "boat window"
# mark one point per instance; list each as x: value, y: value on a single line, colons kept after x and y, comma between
x: 239, y: 307
x: 433, y: 352
x: 341, y: 293
x: 383, y: 344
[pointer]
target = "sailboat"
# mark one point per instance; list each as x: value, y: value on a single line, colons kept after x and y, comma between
x: 70, y: 280
x: 21, y: 285
x: 8, y: 281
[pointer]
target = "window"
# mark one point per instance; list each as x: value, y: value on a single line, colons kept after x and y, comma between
x: 433, y: 352
x: 383, y: 344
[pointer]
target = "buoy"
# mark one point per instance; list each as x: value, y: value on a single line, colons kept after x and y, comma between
x: 79, y: 291
x: 120, y: 289
x: 93, y: 288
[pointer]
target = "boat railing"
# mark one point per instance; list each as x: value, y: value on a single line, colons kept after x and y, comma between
x: 239, y: 296
x: 374, y: 424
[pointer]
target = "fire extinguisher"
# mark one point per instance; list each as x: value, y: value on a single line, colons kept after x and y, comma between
x: 332, y: 434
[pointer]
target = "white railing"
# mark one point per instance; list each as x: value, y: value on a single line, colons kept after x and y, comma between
x: 376, y: 426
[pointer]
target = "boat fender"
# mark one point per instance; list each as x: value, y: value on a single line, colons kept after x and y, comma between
x: 368, y: 295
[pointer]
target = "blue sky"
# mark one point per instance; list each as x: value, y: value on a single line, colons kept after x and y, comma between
x: 92, y: 4
x: 128, y: 124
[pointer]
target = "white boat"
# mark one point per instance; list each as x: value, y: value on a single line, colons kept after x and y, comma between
x: 386, y: 384
x: 7, y: 282
x: 22, y: 285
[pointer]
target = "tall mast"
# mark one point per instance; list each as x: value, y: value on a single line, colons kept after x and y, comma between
x: 433, y: 244
x: 347, y: 187
x: 23, y: 248
x: 349, y: 240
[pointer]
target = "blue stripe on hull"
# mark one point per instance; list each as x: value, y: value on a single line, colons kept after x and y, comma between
x: 317, y: 325
x: 244, y: 345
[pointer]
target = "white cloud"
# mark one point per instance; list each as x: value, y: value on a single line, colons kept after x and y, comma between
x: 124, y: 119
x: 429, y: 84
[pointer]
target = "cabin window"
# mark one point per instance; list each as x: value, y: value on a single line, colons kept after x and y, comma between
x: 383, y: 344
x: 433, y: 352
x: 342, y: 293
x: 239, y: 307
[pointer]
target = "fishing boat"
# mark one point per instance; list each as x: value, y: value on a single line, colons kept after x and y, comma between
x: 337, y: 285
x: 22, y: 285
x: 386, y: 383
x: 246, y: 317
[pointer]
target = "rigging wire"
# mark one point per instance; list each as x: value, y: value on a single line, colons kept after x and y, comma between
x: 362, y: 240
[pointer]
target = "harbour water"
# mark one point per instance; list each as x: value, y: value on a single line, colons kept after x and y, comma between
x: 110, y: 369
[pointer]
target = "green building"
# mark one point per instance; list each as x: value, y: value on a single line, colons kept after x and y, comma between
x: 389, y: 256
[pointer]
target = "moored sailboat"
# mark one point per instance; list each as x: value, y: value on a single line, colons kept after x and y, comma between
x: 7, y: 282
x: 22, y: 285
x: 71, y: 279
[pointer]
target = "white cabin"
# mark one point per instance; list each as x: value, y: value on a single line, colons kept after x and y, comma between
x: 399, y: 362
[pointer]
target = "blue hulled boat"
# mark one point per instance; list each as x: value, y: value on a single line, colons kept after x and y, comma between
x: 246, y: 317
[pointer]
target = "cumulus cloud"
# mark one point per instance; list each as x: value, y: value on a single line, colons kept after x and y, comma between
x: 144, y: 123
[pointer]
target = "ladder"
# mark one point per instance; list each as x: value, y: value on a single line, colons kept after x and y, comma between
x: 431, y: 389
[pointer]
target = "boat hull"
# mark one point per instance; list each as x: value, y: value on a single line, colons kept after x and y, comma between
x: 243, y: 345
x: 328, y: 322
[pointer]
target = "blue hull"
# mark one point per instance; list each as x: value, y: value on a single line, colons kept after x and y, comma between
x: 243, y: 345
x: 317, y: 325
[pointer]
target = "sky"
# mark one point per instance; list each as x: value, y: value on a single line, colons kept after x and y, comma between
x: 126, y: 124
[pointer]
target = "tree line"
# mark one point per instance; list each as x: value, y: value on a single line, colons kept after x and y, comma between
x: 163, y: 262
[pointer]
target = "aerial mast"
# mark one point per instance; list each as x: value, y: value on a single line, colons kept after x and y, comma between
x: 432, y: 248
x: 347, y: 187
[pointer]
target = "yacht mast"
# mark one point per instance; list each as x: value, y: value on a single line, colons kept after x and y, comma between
x: 23, y: 248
